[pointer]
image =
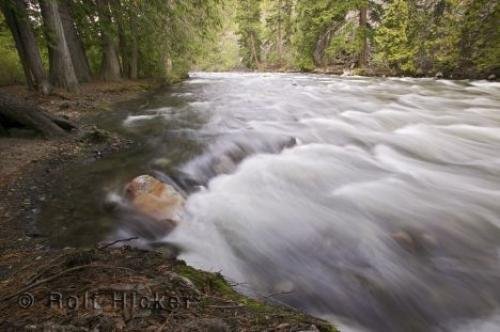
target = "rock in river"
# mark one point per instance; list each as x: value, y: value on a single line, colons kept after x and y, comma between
x: 154, y: 198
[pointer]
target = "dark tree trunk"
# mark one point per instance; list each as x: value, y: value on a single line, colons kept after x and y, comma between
x: 62, y: 72
x: 118, y: 15
x: 255, y: 53
x: 27, y: 48
x: 363, y: 26
x: 134, y: 58
x: 11, y: 21
x: 124, y: 52
x: 75, y: 44
x: 134, y: 43
x: 110, y: 65
x: 17, y: 111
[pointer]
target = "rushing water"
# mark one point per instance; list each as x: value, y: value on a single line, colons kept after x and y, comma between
x: 374, y: 202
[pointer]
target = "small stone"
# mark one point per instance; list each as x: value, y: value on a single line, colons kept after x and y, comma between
x: 492, y: 77
x: 404, y: 240
x: 162, y: 162
x: 38, y: 258
x: 224, y: 165
x: 439, y: 75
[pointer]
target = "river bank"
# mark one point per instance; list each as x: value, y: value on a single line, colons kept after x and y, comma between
x: 341, y: 70
x: 32, y: 270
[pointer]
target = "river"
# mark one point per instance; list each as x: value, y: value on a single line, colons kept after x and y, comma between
x: 371, y: 202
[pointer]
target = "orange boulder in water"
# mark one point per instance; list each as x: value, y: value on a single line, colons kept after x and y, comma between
x: 154, y: 198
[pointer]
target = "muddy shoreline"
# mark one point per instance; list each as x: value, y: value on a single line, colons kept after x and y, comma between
x: 31, y: 266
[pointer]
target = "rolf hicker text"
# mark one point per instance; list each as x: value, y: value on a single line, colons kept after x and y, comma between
x: 119, y: 300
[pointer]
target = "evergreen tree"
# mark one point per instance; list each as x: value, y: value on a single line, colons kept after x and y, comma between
x: 392, y: 42
x: 480, y: 39
x: 248, y: 15
x: 279, y: 29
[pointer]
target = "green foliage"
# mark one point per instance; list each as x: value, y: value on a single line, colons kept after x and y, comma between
x: 411, y: 37
x: 11, y: 70
x: 278, y: 31
x: 392, y: 41
x: 345, y: 44
x: 248, y: 18
x: 441, y: 47
x: 322, y: 29
x: 455, y: 37
x: 313, y: 17
x: 480, y: 40
x: 219, y: 50
x: 169, y: 35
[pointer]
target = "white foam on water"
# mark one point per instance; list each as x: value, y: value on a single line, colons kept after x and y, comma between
x: 133, y: 120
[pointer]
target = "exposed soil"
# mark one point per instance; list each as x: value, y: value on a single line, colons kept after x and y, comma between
x: 23, y: 149
x: 79, y: 289
x: 29, y: 165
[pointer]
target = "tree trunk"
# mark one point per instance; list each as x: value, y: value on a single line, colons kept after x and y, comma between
x: 134, y: 43
x: 75, y: 44
x: 19, y: 112
x: 254, y: 50
x: 27, y: 48
x: 280, y: 33
x: 118, y: 15
x: 62, y: 72
x: 363, y: 27
x: 110, y: 65
x: 134, y: 58
x: 124, y: 52
x: 11, y: 21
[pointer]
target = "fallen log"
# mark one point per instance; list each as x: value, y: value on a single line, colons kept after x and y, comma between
x: 17, y: 112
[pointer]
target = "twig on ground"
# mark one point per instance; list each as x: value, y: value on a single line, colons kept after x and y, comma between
x: 117, y: 241
x: 44, y: 269
x: 53, y: 277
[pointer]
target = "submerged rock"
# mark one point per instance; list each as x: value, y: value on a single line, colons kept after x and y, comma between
x: 224, y: 165
x: 154, y: 198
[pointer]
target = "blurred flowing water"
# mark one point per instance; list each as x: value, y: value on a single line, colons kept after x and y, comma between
x: 373, y: 202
